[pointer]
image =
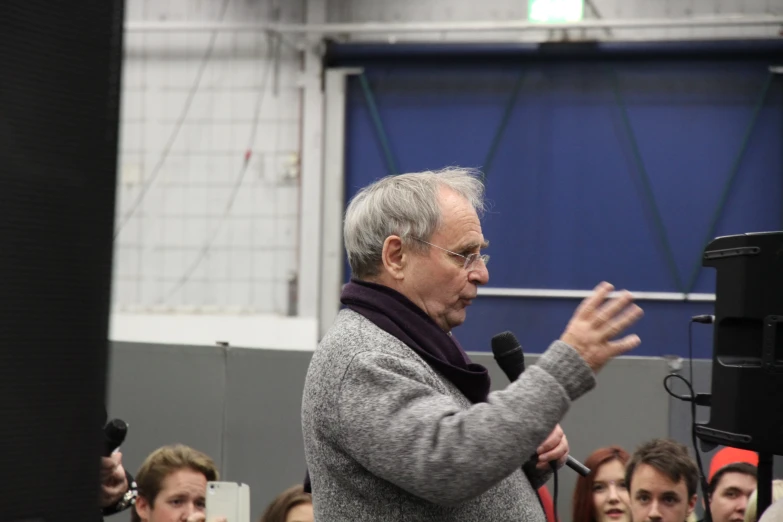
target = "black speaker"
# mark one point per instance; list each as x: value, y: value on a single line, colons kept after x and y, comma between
x: 747, y: 362
x: 59, y: 114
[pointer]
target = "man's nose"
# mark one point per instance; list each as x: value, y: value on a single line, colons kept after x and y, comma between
x: 189, y: 510
x: 479, y: 275
x: 655, y: 513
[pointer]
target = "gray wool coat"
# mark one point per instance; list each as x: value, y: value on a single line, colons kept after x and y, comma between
x: 386, y: 438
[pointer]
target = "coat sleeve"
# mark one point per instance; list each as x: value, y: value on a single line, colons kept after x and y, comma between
x: 400, y: 427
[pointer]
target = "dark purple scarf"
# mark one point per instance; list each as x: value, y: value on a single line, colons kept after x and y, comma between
x: 395, y: 314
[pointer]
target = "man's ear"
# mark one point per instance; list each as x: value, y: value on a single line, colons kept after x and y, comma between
x: 393, y: 257
x: 692, y: 504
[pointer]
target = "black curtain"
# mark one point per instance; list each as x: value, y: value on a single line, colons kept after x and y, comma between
x: 60, y: 66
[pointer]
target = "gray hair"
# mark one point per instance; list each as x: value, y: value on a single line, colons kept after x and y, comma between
x: 404, y: 205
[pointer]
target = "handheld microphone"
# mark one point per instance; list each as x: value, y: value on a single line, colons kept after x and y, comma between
x: 113, y: 436
x: 509, y: 356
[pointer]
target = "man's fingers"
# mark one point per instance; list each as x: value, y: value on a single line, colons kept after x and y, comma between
x: 547, y: 446
x: 543, y: 466
x: 552, y: 441
x: 561, y: 462
x: 111, y: 495
x: 627, y: 343
x: 110, y: 466
x: 111, y: 463
x: 555, y: 454
x: 113, y: 491
x: 608, y: 311
x: 107, y: 470
x: 589, y: 304
x: 119, y: 474
x: 621, y: 323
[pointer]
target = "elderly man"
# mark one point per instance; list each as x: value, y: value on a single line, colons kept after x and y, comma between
x: 398, y: 423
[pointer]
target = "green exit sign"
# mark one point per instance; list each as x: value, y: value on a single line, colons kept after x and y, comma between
x: 555, y: 10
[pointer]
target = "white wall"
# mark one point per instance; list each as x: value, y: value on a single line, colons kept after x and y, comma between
x: 200, y: 235
x: 240, y: 330
x: 466, y: 11
x: 184, y: 141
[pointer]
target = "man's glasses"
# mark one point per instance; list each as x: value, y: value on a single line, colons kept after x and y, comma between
x: 470, y: 259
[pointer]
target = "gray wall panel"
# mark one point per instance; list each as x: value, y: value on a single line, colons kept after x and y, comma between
x: 167, y: 394
x: 242, y: 407
x: 263, y: 438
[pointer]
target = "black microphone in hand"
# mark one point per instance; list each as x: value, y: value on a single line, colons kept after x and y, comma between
x: 509, y: 356
x: 113, y: 436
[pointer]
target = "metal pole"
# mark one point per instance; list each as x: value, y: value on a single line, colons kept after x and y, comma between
x: 331, y: 29
x: 550, y: 293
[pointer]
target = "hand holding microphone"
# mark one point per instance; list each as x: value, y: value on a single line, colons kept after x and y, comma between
x: 114, y: 482
x: 554, y: 450
x: 509, y: 356
x: 114, y: 433
x: 590, y: 332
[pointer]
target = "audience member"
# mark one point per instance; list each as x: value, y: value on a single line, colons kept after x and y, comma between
x: 172, y: 485
x: 602, y: 495
x: 777, y: 494
x: 727, y: 455
x: 292, y: 505
x: 662, y: 479
x: 774, y: 513
x: 729, y: 489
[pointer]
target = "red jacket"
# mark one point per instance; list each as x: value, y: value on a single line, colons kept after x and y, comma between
x: 546, y: 502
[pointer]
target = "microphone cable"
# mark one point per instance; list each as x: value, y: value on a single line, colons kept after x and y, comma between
x: 700, y: 399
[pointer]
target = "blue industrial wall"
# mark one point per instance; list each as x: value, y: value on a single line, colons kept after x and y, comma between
x: 613, y: 163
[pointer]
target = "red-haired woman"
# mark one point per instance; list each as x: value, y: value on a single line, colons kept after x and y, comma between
x: 602, y: 496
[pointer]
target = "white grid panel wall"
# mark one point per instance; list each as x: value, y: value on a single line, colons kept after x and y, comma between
x: 486, y: 10
x: 197, y: 228
x: 194, y: 103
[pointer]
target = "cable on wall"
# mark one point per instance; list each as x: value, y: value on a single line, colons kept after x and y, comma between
x: 202, y: 253
x: 177, y: 127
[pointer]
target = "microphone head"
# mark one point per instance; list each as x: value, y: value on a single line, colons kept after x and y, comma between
x: 508, y: 354
x: 504, y: 343
x: 115, y: 431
